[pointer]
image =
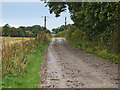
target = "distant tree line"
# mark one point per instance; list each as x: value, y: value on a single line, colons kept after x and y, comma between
x: 60, y: 29
x: 22, y: 31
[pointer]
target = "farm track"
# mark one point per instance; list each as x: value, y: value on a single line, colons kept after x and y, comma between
x: 64, y: 66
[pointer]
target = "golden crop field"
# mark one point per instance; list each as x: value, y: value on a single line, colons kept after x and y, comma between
x: 12, y: 40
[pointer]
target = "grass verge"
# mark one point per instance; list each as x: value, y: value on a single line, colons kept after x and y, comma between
x: 100, y: 52
x: 30, y: 77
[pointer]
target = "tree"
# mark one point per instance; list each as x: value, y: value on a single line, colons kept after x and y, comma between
x: 28, y: 33
x: 14, y: 32
x: 21, y: 32
x: 5, y: 31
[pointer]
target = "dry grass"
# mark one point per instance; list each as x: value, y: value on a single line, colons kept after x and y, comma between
x: 14, y: 51
x: 13, y: 40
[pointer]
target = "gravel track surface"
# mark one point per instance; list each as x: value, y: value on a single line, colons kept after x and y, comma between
x: 64, y: 66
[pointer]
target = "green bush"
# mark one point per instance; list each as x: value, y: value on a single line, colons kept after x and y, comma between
x: 61, y: 34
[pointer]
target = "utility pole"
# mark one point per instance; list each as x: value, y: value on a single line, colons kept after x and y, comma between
x: 65, y: 23
x: 45, y: 21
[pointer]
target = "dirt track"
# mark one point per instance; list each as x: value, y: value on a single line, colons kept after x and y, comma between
x: 64, y: 66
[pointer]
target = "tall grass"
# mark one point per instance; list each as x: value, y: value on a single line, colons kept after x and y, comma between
x: 95, y: 48
x: 14, y: 56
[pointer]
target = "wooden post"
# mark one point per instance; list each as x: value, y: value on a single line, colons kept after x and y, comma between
x: 65, y: 23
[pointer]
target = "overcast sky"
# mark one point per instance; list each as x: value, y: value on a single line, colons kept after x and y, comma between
x: 30, y: 13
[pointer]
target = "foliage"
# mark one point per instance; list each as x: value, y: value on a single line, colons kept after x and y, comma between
x: 60, y: 29
x: 48, y: 31
x: 56, y: 7
x: 6, y: 30
x: 61, y: 34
